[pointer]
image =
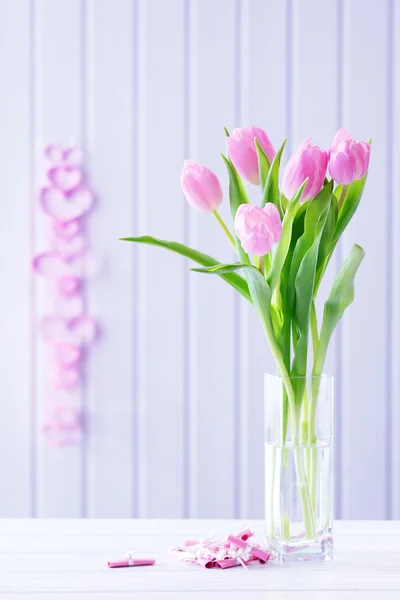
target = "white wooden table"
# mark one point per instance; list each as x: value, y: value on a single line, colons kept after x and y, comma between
x: 66, y: 559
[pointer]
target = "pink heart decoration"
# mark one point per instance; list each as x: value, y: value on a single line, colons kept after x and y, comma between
x: 52, y: 265
x: 65, y: 379
x: 69, y: 286
x: 59, y: 436
x: 69, y: 307
x: 64, y: 426
x: 67, y: 229
x: 54, y: 153
x: 57, y: 155
x: 72, y: 247
x: 81, y: 331
x: 73, y: 155
x: 65, y: 178
x: 67, y: 354
x: 66, y: 206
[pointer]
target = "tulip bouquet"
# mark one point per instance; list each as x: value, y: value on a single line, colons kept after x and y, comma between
x: 283, y: 246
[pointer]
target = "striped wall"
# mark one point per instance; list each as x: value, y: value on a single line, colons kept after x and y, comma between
x: 173, y: 394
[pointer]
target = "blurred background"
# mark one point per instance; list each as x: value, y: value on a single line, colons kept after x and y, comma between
x: 172, y: 395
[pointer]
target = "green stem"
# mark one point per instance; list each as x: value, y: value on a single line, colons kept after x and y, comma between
x: 267, y: 263
x: 304, y: 420
x: 225, y: 228
x: 307, y: 509
x: 261, y: 266
x: 312, y: 437
x: 271, y: 489
x: 304, y: 433
x: 313, y: 477
x: 308, y: 512
x: 312, y: 409
x: 342, y: 196
x: 314, y: 329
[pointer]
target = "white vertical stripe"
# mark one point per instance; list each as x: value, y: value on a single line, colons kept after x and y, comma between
x: 215, y: 98
x: 243, y: 478
x: 191, y: 281
x: 395, y: 316
x: 365, y: 381
x: 110, y: 152
x: 15, y: 372
x: 58, y: 120
x: 163, y: 272
x: 338, y: 382
x: 140, y: 338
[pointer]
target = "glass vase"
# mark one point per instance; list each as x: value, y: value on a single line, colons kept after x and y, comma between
x: 299, y: 467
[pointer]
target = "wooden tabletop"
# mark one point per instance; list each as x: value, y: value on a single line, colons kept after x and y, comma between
x: 66, y: 559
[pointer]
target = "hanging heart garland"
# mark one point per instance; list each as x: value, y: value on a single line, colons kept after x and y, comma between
x: 69, y: 332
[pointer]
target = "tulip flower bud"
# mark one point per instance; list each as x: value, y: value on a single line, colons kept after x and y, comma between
x: 348, y: 159
x: 258, y: 229
x: 243, y: 154
x: 308, y: 161
x: 201, y: 187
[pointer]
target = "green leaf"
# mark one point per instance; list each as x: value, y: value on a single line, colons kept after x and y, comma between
x: 227, y: 134
x: 271, y: 189
x: 284, y: 203
x: 235, y: 280
x: 284, y: 285
x: 304, y: 290
x: 220, y: 269
x: 284, y: 243
x: 264, y: 164
x: 315, y: 208
x: 261, y: 296
x: 259, y: 288
x: 237, y: 197
x: 348, y: 208
x: 341, y: 296
x: 329, y: 231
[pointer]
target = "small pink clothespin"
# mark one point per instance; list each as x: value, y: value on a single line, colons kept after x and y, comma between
x: 129, y: 561
x: 256, y: 551
x: 206, y: 561
x: 232, y: 561
x: 246, y: 534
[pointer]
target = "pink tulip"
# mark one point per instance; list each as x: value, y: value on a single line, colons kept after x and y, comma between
x: 201, y: 187
x: 348, y: 159
x: 308, y: 161
x: 243, y: 154
x: 258, y: 229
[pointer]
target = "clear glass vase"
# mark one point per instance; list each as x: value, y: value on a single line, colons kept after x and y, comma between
x: 299, y: 467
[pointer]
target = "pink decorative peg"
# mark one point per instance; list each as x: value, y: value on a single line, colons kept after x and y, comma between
x: 262, y: 555
x: 67, y: 229
x: 205, y: 561
x: 67, y: 355
x: 69, y: 285
x: 222, y: 552
x: 65, y: 379
x: 131, y: 561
